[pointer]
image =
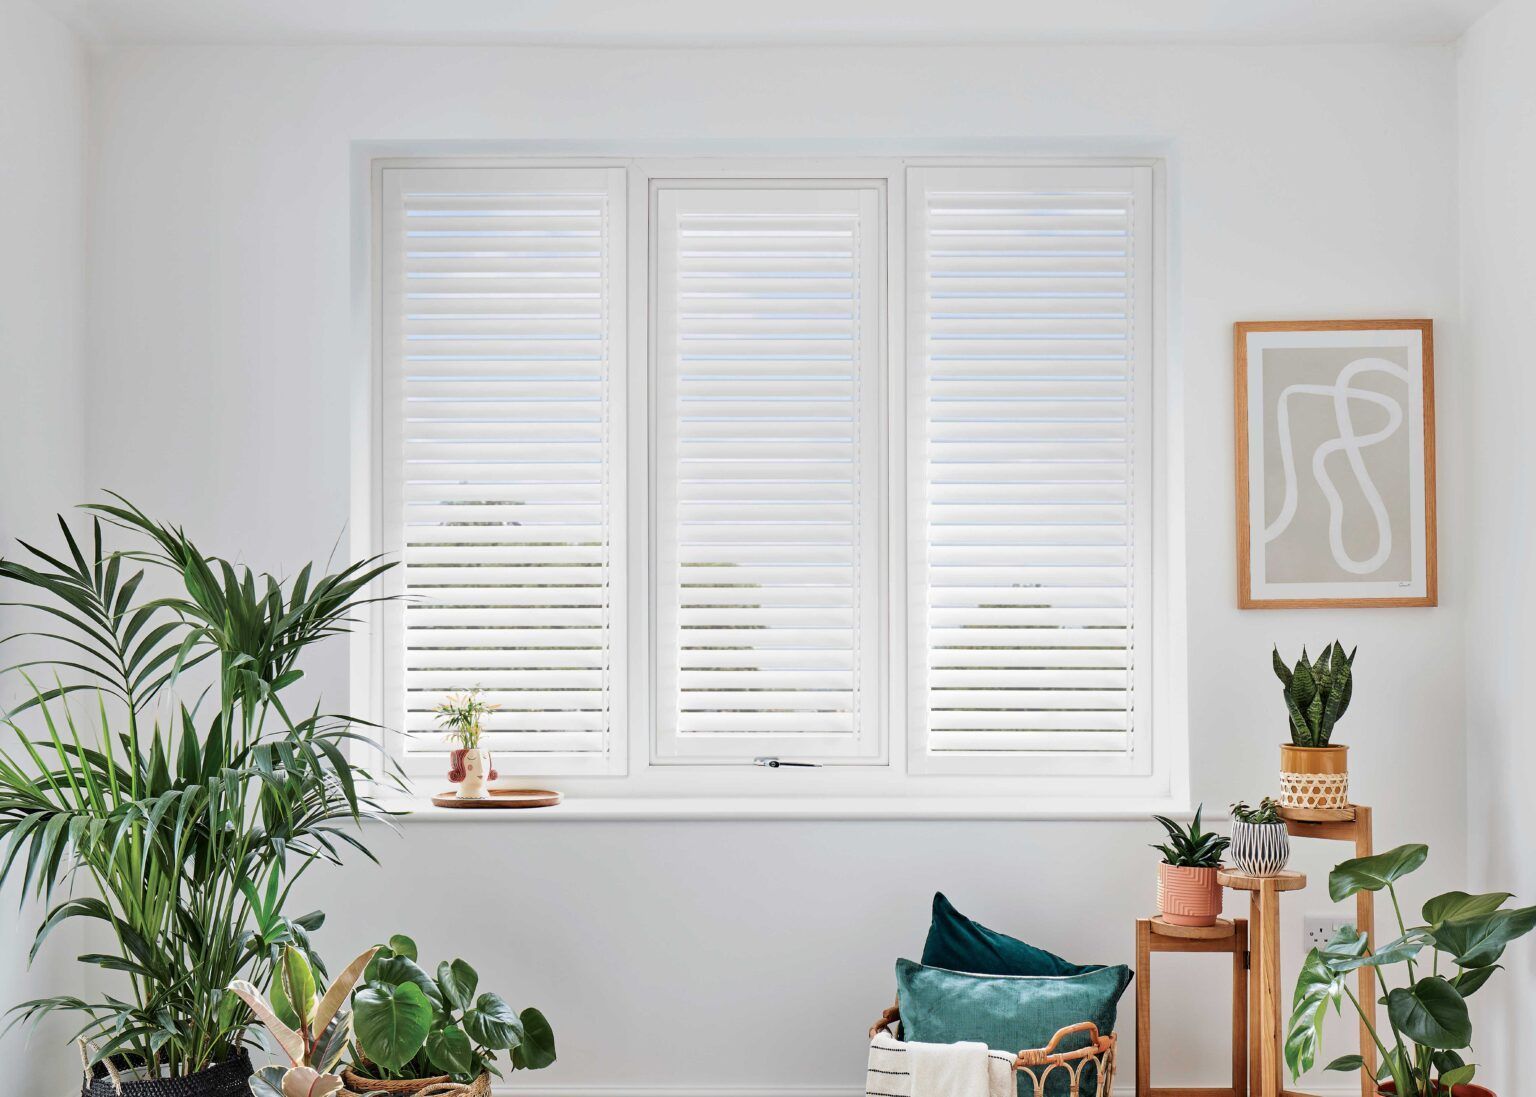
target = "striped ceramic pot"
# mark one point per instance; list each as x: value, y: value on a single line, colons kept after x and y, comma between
x: 1260, y: 849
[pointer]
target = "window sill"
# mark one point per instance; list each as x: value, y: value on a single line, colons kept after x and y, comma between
x: 893, y: 809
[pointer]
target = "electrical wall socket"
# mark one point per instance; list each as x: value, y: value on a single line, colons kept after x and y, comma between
x: 1320, y: 928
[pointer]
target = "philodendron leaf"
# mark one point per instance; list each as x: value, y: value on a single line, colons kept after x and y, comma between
x: 397, y: 970
x: 1458, y: 1076
x: 1479, y: 942
x: 1403, y: 948
x: 491, y: 1023
x: 458, y: 981
x: 1316, y: 986
x: 391, y: 1022
x: 1456, y: 905
x: 1346, y: 1063
x: 1431, y: 1014
x: 401, y: 945
x: 537, y: 1050
x: 1374, y: 873
x: 1469, y: 982
x: 449, y: 1050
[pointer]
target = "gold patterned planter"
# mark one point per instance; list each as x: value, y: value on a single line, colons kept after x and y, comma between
x: 1315, y: 779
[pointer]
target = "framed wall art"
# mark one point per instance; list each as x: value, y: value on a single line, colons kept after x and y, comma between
x: 1335, y: 463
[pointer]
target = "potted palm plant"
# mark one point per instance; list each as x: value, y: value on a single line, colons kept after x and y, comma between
x: 180, y: 830
x: 1188, y: 893
x: 468, y: 764
x: 1314, y: 771
x: 1428, y: 1024
x: 1261, y: 845
x: 414, y: 1031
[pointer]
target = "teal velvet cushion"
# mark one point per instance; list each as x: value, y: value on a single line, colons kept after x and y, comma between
x: 959, y: 944
x: 1008, y: 1012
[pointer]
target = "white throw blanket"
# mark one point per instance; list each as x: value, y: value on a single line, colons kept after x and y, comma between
x: 898, y: 1069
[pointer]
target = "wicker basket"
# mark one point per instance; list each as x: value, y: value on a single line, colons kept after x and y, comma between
x: 359, y: 1085
x: 230, y: 1078
x: 1042, y: 1065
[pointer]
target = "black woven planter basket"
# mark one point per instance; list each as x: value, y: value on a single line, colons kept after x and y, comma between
x: 230, y: 1078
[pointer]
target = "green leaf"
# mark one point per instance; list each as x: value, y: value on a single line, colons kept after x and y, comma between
x: 1397, y: 951
x: 1458, y: 1076
x: 1282, y: 671
x: 491, y: 1023
x: 1316, y: 986
x: 537, y: 1050
x: 458, y: 981
x: 1374, y: 873
x: 1469, y: 982
x: 401, y: 945
x: 449, y: 1051
x: 1479, y: 942
x: 1430, y: 1013
x: 1346, y: 1063
x: 397, y: 970
x: 391, y: 1023
x: 1456, y: 905
x: 296, y: 981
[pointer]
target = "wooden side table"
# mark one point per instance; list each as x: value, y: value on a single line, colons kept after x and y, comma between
x: 1266, y: 1064
x: 1155, y: 935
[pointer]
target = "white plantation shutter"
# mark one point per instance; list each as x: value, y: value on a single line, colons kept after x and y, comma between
x: 768, y: 319
x: 502, y: 352
x: 1029, y: 310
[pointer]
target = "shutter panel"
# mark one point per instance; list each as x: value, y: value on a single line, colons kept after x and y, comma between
x: 1029, y: 313
x: 768, y: 317
x: 503, y: 352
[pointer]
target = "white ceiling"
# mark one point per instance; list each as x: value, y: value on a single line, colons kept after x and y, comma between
x: 767, y: 22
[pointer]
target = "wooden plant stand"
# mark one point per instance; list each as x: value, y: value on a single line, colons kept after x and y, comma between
x: 1155, y: 935
x: 1351, y: 825
x: 1265, y: 1064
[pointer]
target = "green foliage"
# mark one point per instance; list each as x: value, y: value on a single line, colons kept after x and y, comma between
x: 461, y: 714
x: 181, y: 831
x: 410, y: 1025
x: 1268, y: 811
x: 1191, y: 847
x: 1316, y: 693
x: 1428, y: 1023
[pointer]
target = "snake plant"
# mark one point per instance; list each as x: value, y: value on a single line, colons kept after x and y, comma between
x: 1316, y: 692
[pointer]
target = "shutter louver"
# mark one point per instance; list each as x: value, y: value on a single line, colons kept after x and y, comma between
x: 769, y: 321
x: 1026, y: 357
x: 503, y: 358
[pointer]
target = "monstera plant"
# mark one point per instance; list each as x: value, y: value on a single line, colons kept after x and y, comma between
x: 1442, y: 962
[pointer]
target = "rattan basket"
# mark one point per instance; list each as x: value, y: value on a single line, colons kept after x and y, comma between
x: 1041, y: 1065
x: 358, y: 1085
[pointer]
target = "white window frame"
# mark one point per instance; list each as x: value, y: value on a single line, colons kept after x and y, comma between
x: 893, y: 787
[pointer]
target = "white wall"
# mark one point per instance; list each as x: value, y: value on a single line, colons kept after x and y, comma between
x: 1308, y: 182
x: 1498, y: 254
x: 42, y: 205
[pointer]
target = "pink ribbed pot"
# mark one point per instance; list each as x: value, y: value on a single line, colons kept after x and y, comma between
x: 1188, y: 896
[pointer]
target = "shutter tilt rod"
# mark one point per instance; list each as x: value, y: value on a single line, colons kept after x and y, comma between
x: 774, y: 763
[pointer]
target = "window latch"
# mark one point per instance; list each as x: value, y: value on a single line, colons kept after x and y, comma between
x: 775, y: 763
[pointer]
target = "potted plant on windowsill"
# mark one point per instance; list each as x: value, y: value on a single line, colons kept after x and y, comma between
x: 180, y: 831
x: 468, y: 764
x: 415, y: 1032
x: 1428, y: 1025
x: 1314, y: 771
x: 1188, y: 893
x: 1261, y: 845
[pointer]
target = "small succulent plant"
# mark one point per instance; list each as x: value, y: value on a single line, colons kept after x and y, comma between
x: 1267, y: 812
x: 312, y: 1028
x: 1191, y: 847
x: 1316, y: 693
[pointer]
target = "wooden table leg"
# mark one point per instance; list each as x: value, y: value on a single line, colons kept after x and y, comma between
x: 1143, y: 1007
x: 1240, y: 1011
x: 1269, y: 991
x: 1255, y: 935
x: 1365, y: 922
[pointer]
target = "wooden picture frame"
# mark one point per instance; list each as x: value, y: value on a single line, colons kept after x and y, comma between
x: 1313, y: 531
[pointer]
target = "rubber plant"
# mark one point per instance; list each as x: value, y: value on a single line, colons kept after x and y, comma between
x: 1428, y: 1025
x: 410, y: 1025
x: 179, y: 828
x: 310, y: 1027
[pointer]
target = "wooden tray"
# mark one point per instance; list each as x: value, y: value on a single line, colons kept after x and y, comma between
x: 500, y: 798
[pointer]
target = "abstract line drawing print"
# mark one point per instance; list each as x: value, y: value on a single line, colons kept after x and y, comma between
x: 1351, y: 444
